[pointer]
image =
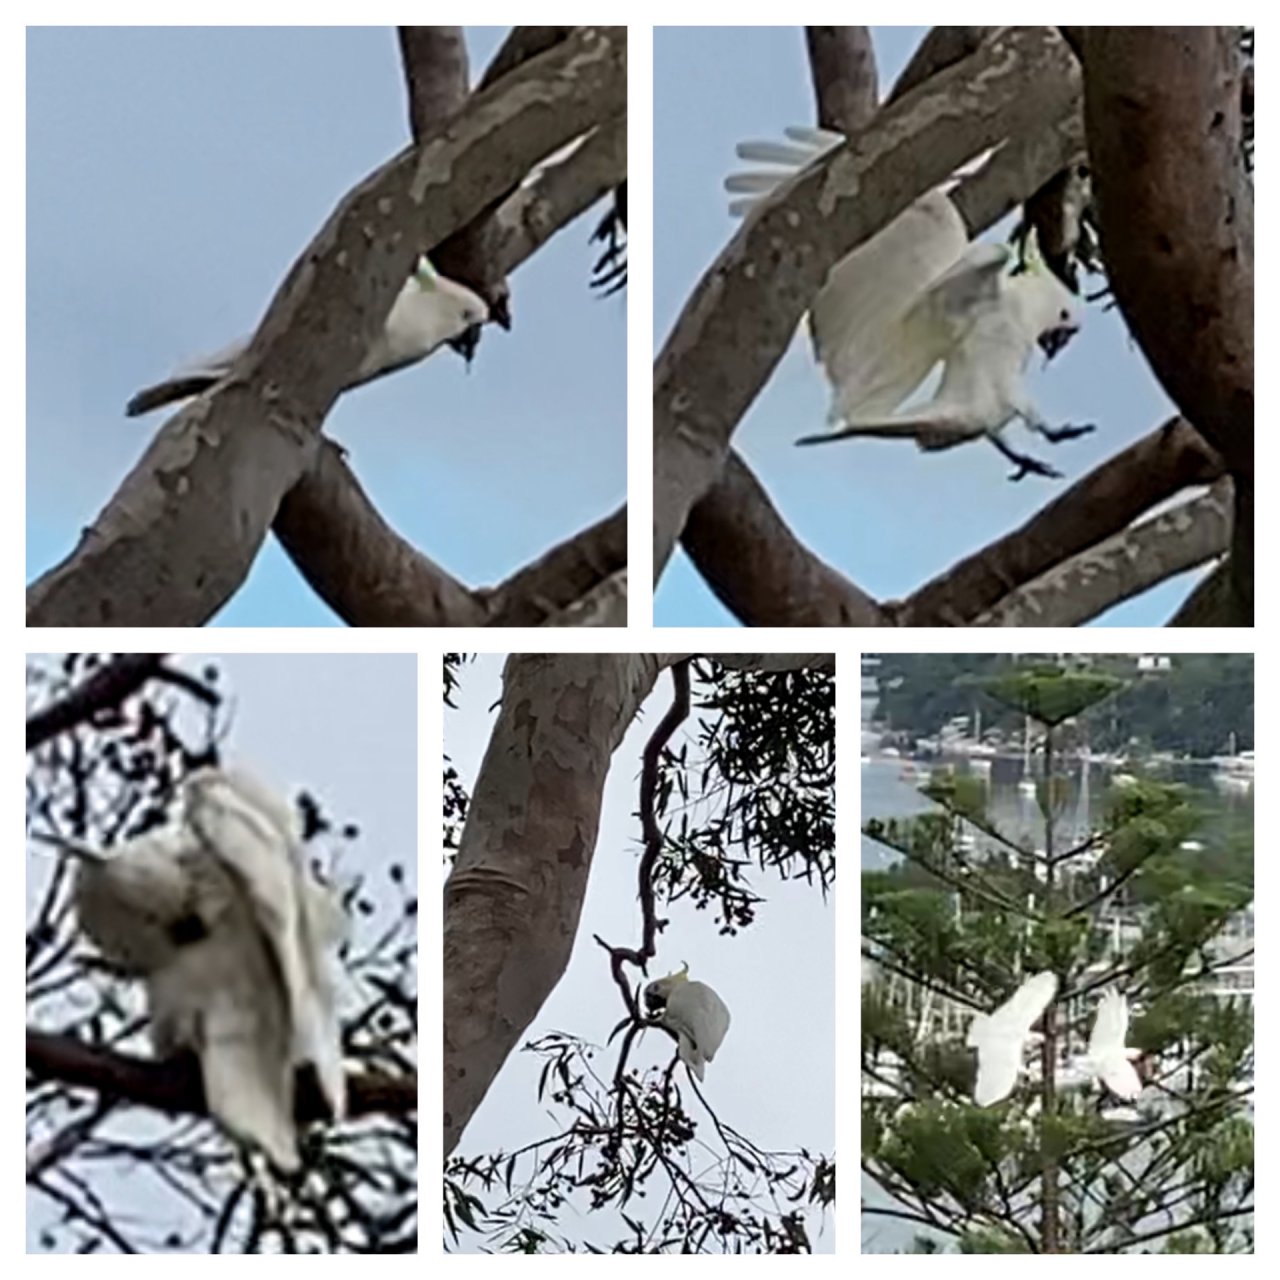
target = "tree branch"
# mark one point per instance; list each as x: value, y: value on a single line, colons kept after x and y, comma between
x: 1121, y: 567
x: 1106, y: 501
x: 842, y: 64
x: 329, y: 526
x: 106, y: 689
x: 182, y: 531
x: 436, y: 75
x: 743, y: 313
x: 1175, y: 215
x: 372, y: 577
x: 174, y: 1086
x: 759, y: 569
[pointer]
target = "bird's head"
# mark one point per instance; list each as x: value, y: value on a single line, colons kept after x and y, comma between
x: 1047, y: 306
x: 658, y: 992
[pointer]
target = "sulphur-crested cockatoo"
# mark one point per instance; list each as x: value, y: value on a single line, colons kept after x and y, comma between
x: 429, y: 311
x: 694, y: 1012
x: 1004, y: 318
x: 220, y: 918
x: 912, y: 295
x: 1108, y: 1059
x: 1001, y: 1037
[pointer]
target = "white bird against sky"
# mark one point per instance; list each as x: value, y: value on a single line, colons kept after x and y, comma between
x: 429, y: 311
x: 915, y: 294
x: 694, y: 1012
x: 1001, y: 1037
x: 219, y: 916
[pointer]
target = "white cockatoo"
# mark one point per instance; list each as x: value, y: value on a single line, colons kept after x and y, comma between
x: 1001, y: 1037
x: 220, y: 918
x: 915, y: 294
x: 429, y: 311
x: 1107, y: 1058
x: 694, y: 1012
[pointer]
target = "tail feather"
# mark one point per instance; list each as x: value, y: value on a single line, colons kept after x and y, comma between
x: 168, y: 391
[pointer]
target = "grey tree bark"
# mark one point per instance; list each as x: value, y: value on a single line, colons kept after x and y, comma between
x: 513, y: 899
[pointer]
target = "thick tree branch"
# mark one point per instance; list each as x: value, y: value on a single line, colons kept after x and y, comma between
x: 530, y: 216
x: 758, y: 569
x: 1123, y: 566
x: 182, y: 531
x: 356, y: 563
x: 1175, y: 213
x: 561, y: 577
x: 330, y: 528
x: 436, y: 75
x: 372, y: 577
x: 1103, y: 503
x: 842, y: 63
x: 469, y: 254
x: 943, y: 47
x: 106, y: 689
x: 174, y: 1086
x: 514, y: 896
x: 744, y: 311
x: 605, y: 605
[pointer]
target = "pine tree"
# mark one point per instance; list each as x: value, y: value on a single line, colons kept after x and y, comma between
x: 1133, y: 905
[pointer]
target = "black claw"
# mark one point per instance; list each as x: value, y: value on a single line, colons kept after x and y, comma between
x: 1033, y: 467
x: 1056, y: 435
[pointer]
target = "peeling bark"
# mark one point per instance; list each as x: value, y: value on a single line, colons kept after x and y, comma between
x: 1175, y: 212
x: 741, y: 317
x: 842, y: 63
x: 513, y: 899
x: 182, y: 531
x: 1132, y: 562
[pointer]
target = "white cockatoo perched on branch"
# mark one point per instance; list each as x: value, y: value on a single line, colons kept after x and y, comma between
x: 694, y: 1012
x: 219, y: 916
x: 915, y: 294
x: 1002, y: 1035
x: 429, y: 311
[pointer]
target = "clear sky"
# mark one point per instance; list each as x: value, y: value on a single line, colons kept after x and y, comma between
x: 774, y: 1077
x: 877, y: 510
x: 343, y: 727
x: 174, y: 174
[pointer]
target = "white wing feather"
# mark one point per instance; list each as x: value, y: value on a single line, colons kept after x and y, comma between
x: 1109, y: 1057
x: 1000, y: 1037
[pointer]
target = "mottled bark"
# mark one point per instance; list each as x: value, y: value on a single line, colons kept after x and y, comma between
x: 842, y: 64
x: 513, y: 899
x: 1078, y: 590
x: 371, y: 577
x: 1106, y: 501
x: 741, y: 316
x: 758, y: 569
x: 1175, y: 211
x: 181, y: 532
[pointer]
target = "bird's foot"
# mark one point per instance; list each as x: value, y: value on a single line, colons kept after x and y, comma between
x: 1056, y: 435
x: 1029, y: 466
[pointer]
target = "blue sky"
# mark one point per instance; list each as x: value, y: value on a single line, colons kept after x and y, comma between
x: 174, y: 174
x: 343, y: 727
x: 774, y: 1077
x: 879, y: 511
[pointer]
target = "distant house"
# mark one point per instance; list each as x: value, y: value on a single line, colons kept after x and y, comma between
x: 1148, y: 662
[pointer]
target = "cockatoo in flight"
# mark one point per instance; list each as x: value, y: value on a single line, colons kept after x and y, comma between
x: 1001, y: 1037
x: 694, y: 1012
x: 1107, y: 1058
x: 915, y: 294
x: 219, y: 916
x: 429, y: 311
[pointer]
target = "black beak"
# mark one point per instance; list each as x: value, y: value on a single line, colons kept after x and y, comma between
x: 466, y: 342
x: 1053, y: 340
